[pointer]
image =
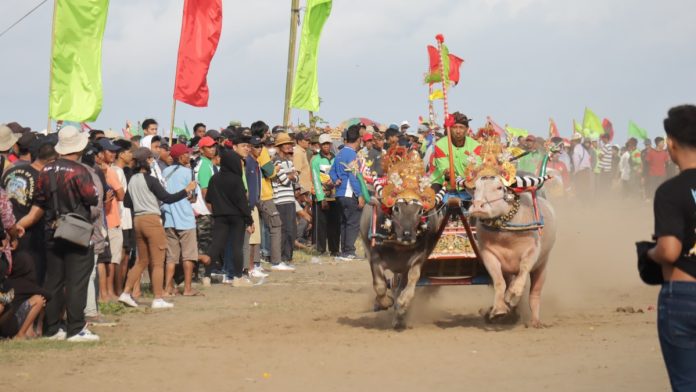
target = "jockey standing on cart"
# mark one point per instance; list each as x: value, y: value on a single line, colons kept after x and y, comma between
x: 465, y: 151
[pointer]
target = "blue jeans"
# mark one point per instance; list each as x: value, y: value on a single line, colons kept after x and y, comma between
x: 350, y: 223
x: 676, y: 326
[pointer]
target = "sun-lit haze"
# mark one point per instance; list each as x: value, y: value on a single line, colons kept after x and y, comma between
x: 525, y: 61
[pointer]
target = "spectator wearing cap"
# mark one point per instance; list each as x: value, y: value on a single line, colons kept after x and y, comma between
x: 24, y: 147
x: 214, y: 134
x: 267, y: 208
x: 204, y: 171
x: 284, y: 197
x: 20, y: 183
x: 404, y: 126
x: 68, y: 265
x: 327, y: 213
x: 150, y: 127
x: 122, y: 168
x: 180, y: 223
x: 368, y: 140
x: 8, y: 139
x: 105, y: 159
x: 301, y: 163
x: 313, y: 149
x: 254, y: 178
x: 349, y: 192
x: 147, y: 193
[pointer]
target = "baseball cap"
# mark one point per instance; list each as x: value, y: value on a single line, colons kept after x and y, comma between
x: 405, y: 124
x: 213, y: 133
x: 325, y: 138
x: 367, y: 137
x: 256, y: 141
x: 206, y: 141
x: 142, y: 154
x: 108, y: 145
x: 178, y: 150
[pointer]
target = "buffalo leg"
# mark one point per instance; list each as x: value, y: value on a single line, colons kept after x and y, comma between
x: 383, y: 300
x: 516, y: 289
x: 406, y: 296
x: 537, y: 277
x: 492, y: 264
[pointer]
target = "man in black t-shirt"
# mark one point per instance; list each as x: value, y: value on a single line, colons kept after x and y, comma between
x: 20, y: 184
x: 675, y: 225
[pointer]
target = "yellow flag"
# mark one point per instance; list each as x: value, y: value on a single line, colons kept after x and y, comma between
x: 437, y: 94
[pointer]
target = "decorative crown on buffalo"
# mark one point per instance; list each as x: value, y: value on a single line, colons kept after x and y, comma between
x: 495, y: 162
x: 406, y: 179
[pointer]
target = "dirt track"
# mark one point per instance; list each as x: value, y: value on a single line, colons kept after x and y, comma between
x: 313, y: 331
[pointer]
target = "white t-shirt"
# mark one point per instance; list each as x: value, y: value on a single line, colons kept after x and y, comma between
x: 126, y: 219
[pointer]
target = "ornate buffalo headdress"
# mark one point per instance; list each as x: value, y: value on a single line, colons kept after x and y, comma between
x: 406, y: 179
x: 495, y: 162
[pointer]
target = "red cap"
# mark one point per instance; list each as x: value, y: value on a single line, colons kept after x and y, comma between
x: 206, y: 141
x: 178, y: 150
x: 367, y: 137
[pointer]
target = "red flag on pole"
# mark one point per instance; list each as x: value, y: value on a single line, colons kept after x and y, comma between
x: 200, y: 33
x: 454, y: 64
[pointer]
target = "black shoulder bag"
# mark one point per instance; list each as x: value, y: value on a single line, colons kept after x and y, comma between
x: 70, y: 227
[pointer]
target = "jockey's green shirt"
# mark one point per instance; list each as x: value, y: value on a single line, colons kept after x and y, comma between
x: 461, y: 155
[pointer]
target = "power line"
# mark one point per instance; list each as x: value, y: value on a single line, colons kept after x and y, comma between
x: 22, y: 18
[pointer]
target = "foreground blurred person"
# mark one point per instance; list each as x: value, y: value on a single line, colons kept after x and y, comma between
x: 675, y: 225
x: 147, y: 192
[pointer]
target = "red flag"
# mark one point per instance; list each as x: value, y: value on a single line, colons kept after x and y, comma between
x: 200, y: 33
x: 553, y: 129
x: 608, y: 128
x: 455, y: 63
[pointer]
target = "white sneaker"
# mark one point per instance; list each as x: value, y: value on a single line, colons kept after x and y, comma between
x: 60, y: 335
x: 242, y: 282
x: 159, y: 303
x: 259, y: 267
x: 127, y: 300
x: 84, y: 336
x: 282, y: 266
x: 226, y: 280
x: 206, y: 282
x: 258, y: 273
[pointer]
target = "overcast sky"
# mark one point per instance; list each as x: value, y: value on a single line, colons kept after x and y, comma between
x: 525, y: 61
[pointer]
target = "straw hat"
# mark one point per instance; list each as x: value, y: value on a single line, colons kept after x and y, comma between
x: 70, y: 141
x: 7, y: 138
x: 282, y: 138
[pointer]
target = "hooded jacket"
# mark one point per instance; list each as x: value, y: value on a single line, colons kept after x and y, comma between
x: 226, y: 189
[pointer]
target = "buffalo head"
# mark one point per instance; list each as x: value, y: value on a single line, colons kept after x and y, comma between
x: 406, y: 220
x: 491, y: 198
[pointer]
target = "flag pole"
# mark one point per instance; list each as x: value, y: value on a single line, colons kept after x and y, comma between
x: 440, y: 39
x: 171, y: 130
x: 294, y: 16
x: 50, y: 65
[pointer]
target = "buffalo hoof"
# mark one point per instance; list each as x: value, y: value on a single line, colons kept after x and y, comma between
x: 399, y: 324
x: 537, y: 324
x: 378, y: 308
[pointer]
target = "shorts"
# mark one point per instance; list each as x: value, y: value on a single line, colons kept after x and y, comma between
x: 128, y: 240
x: 204, y: 232
x: 255, y: 237
x: 116, y: 245
x: 22, y: 312
x: 181, y: 245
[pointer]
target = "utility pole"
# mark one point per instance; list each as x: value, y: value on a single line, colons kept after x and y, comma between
x: 294, y: 17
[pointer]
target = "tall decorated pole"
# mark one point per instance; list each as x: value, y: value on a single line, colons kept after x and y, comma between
x: 440, y: 40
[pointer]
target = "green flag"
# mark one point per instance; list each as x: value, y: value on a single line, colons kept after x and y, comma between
x: 517, y: 132
x: 591, y: 124
x: 636, y: 131
x: 305, y: 89
x: 76, y: 80
x: 188, y: 133
x: 181, y: 132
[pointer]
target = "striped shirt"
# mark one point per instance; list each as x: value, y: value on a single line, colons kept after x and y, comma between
x: 283, y: 187
x: 605, y: 158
